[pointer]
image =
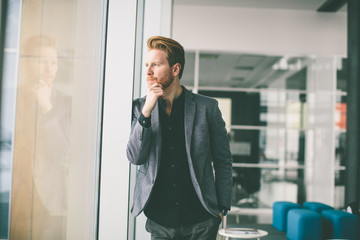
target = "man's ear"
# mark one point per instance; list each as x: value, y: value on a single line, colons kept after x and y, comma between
x: 176, y: 69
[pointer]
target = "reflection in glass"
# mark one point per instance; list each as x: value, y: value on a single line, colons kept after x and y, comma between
x: 42, y: 144
x: 8, y: 94
x: 58, y: 105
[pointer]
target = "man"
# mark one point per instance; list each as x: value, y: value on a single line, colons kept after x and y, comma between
x: 179, y: 140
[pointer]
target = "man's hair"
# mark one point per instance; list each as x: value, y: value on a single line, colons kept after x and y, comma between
x: 174, y: 51
x: 34, y: 43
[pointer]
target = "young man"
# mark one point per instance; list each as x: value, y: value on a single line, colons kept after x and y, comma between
x: 179, y: 140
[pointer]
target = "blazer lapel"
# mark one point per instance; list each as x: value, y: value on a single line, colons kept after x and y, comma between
x: 155, y: 125
x: 189, y: 117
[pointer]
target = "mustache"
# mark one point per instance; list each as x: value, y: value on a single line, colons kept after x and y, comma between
x: 151, y: 80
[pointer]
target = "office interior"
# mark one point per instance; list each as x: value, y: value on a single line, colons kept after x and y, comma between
x: 281, y: 70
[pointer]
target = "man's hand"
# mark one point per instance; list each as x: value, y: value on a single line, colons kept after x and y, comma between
x: 221, y: 216
x: 154, y: 92
x: 42, y: 93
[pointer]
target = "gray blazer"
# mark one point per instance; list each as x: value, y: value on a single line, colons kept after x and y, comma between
x: 207, y: 149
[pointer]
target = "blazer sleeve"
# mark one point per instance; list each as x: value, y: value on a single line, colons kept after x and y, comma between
x: 139, y: 144
x: 222, y: 159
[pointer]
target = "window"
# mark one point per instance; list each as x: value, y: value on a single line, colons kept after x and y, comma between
x: 281, y: 106
x: 55, y: 83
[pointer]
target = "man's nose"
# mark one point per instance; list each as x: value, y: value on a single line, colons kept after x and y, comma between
x: 47, y: 66
x: 149, y: 70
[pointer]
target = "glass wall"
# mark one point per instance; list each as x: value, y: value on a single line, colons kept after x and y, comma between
x: 55, y: 83
x: 8, y: 101
x: 285, y: 125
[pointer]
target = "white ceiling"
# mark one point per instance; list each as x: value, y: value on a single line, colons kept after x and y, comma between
x: 244, y: 71
x: 277, y: 4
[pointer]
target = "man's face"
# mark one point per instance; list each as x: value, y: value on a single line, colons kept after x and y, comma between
x: 158, y: 68
x: 43, y: 66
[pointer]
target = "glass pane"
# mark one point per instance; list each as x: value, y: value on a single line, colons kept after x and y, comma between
x: 340, y: 149
x: 8, y: 95
x: 267, y: 140
x: 341, y: 74
x: 268, y: 166
x: 281, y: 106
x: 58, y: 107
x: 245, y: 106
x: 265, y: 108
x: 256, y: 189
x: 7, y: 124
x: 283, y: 147
x: 340, y: 131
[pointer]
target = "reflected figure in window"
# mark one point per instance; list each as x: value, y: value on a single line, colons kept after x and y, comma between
x: 41, y: 147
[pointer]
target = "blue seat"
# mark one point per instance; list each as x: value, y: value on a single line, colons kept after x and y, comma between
x: 280, y: 211
x: 340, y: 224
x: 304, y: 224
x: 316, y: 206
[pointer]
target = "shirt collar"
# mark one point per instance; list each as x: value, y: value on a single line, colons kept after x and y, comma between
x: 177, y: 102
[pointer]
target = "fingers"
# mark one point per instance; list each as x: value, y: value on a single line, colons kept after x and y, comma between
x: 41, y: 84
x: 156, y: 89
x: 154, y: 92
x: 155, y: 86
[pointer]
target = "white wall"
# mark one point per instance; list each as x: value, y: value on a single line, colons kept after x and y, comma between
x: 265, y: 31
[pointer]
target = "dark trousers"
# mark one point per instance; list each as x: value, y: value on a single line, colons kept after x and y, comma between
x: 206, y: 230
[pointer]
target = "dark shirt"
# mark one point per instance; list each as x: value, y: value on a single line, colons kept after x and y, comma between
x: 173, y: 201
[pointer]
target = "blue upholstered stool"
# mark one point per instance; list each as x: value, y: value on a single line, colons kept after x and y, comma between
x: 316, y: 206
x: 304, y: 224
x: 340, y: 224
x: 280, y: 211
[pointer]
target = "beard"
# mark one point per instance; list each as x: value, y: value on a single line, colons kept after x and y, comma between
x: 165, y: 81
